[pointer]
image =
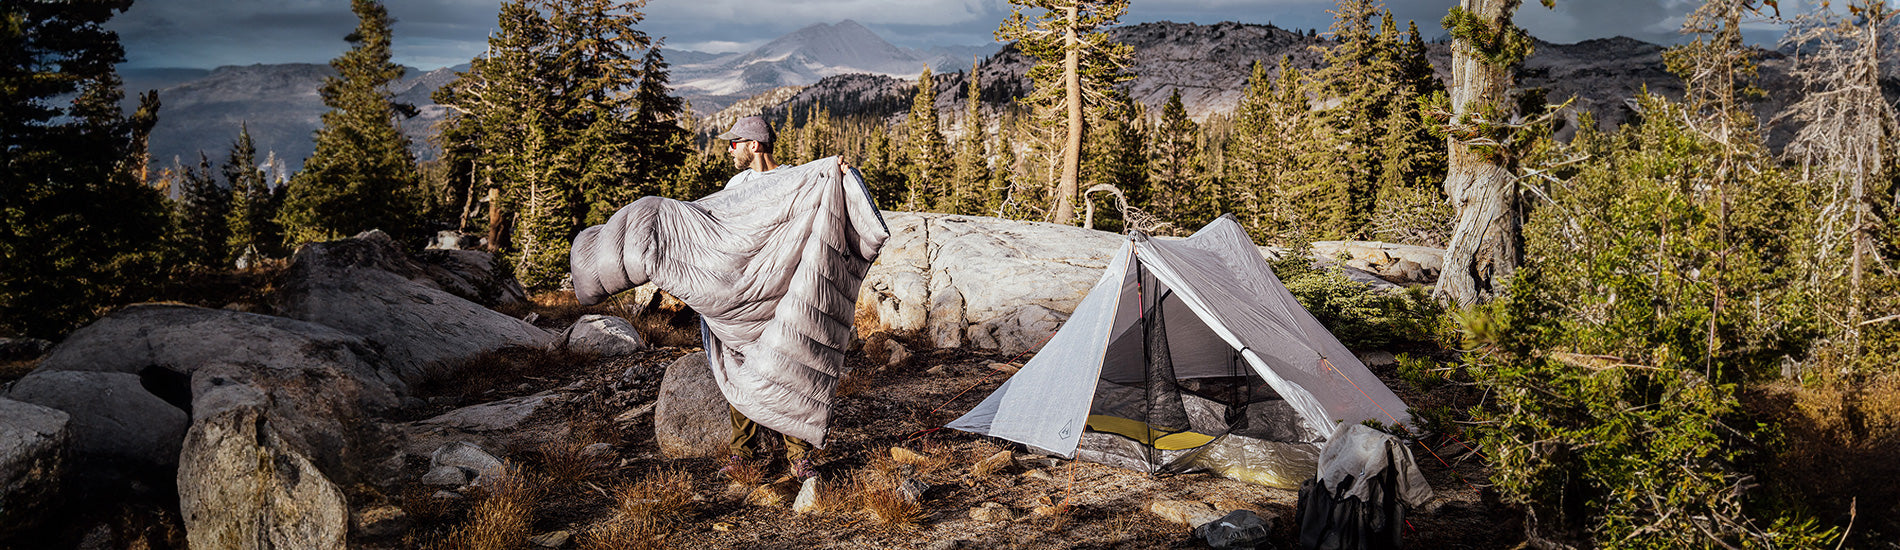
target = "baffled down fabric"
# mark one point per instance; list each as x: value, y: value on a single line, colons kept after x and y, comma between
x: 772, y: 264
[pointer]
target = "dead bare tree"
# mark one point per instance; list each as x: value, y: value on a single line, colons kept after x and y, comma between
x: 1845, y: 124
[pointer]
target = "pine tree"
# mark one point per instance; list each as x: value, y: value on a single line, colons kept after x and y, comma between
x: 567, y: 121
x: 1181, y: 192
x: 203, y: 209
x: 927, y: 174
x: 971, y: 170
x: 1076, y: 71
x: 79, y: 231
x: 362, y: 175
x: 1115, y: 163
x: 251, y: 229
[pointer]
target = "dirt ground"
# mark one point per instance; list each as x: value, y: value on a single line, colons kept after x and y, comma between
x: 1096, y: 506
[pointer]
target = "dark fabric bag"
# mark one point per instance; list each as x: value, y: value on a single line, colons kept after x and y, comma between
x: 1326, y: 522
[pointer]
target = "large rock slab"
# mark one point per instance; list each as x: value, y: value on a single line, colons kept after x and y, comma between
x: 181, y: 339
x: 154, y: 362
x: 1002, y: 286
x: 113, y: 417
x: 472, y: 274
x: 366, y: 286
x: 242, y: 486
x: 986, y: 283
x: 33, y: 447
x: 692, y: 419
x: 1398, y: 263
x: 506, y: 414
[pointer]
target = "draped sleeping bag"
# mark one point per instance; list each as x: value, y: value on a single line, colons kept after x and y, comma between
x: 772, y: 264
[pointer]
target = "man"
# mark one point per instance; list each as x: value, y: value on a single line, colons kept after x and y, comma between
x: 772, y: 264
x: 750, y: 140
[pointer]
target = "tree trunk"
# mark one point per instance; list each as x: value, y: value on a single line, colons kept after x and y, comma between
x: 494, y: 220
x: 1071, y: 152
x: 1484, y: 247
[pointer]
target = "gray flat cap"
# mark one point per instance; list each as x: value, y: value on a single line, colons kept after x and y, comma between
x: 752, y: 128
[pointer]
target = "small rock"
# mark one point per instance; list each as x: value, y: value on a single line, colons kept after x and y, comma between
x: 554, y: 539
x: 1190, y: 513
x: 606, y: 335
x: 906, y: 456
x: 996, y: 463
x: 938, y: 371
x: 912, y: 490
x: 1004, y: 368
x: 447, y: 495
x: 1046, y: 511
x: 722, y: 527
x: 807, y: 500
x: 899, y: 356
x: 382, y: 521
x: 991, y: 512
x: 597, y: 450
x: 466, y: 455
x: 445, y: 476
x: 951, y: 544
x: 1039, y: 475
x: 531, y: 317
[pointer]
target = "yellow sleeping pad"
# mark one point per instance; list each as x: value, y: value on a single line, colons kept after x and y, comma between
x: 1147, y: 435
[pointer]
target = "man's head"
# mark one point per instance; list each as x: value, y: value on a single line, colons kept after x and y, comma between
x: 750, y: 136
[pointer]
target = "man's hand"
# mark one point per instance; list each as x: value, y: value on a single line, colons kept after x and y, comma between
x: 844, y: 167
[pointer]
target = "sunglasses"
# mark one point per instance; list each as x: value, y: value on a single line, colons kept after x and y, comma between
x: 734, y: 144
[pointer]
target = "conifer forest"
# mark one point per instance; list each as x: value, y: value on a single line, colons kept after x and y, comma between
x: 1681, y: 331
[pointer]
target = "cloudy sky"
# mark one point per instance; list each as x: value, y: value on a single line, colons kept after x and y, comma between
x: 437, y: 33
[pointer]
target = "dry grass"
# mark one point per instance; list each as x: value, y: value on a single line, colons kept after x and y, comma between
x: 565, y: 465
x: 885, y: 505
x: 502, y: 515
x: 663, y: 329
x: 840, y: 496
x: 644, y: 512
x: 749, y: 473
x: 1837, y: 449
x: 420, y: 503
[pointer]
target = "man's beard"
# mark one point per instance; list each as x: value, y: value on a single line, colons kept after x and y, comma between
x: 742, y: 159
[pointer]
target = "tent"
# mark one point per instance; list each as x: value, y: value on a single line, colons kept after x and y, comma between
x: 1189, y: 354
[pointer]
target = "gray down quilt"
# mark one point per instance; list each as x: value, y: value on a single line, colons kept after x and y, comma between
x: 772, y: 264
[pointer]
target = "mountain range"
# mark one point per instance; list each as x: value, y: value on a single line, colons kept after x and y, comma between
x: 850, y: 70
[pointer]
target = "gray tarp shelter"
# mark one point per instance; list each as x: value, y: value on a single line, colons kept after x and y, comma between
x: 1189, y: 354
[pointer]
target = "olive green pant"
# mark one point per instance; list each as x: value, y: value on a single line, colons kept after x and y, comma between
x: 745, y: 432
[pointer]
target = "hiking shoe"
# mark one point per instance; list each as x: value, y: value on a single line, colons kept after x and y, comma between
x: 803, y: 469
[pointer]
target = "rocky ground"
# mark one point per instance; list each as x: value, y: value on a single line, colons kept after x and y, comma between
x: 1044, y: 503
x: 362, y: 396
